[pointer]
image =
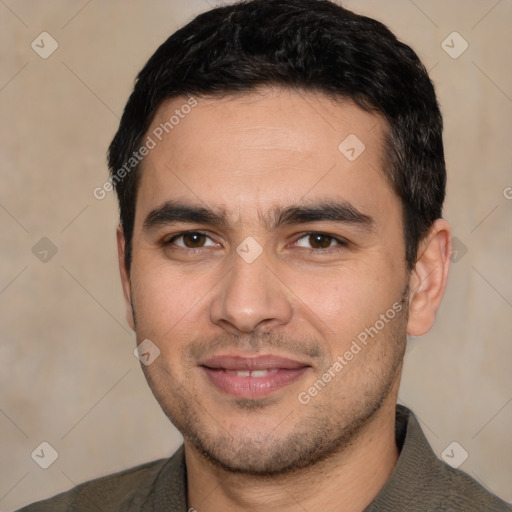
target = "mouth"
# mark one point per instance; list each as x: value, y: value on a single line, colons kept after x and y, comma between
x: 252, y: 377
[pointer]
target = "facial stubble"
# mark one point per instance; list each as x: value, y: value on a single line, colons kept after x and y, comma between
x: 329, y: 424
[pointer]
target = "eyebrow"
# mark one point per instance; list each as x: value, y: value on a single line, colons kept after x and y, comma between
x: 172, y: 212
x: 332, y: 211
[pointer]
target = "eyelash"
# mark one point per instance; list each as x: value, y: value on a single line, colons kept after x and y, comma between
x: 341, y: 243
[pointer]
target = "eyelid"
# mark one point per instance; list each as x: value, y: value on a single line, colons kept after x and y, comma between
x: 341, y: 242
x: 168, y: 240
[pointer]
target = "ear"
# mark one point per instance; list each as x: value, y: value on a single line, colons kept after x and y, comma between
x: 428, y: 278
x: 125, y: 277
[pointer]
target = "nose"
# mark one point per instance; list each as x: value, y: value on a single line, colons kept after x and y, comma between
x: 251, y: 298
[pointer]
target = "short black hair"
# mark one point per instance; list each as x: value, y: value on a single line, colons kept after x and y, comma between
x: 305, y: 45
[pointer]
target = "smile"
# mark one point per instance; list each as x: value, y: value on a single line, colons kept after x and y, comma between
x: 252, y: 377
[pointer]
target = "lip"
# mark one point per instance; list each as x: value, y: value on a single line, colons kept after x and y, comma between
x: 222, y: 371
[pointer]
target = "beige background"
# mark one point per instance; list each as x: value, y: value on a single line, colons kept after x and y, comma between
x: 68, y: 375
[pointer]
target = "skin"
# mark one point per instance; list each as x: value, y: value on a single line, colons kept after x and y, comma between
x: 195, y: 297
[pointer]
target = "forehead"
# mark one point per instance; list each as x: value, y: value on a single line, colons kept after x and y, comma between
x: 263, y: 148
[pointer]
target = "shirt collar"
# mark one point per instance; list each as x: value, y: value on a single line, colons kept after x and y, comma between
x: 417, y: 464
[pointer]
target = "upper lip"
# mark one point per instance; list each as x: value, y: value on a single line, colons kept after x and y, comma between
x: 260, y: 362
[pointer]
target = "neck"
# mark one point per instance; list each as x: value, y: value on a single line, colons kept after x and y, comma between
x: 346, y: 481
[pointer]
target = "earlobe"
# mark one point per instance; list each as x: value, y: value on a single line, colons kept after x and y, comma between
x: 428, y: 278
x: 125, y: 277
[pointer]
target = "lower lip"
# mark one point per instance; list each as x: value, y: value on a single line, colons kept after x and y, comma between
x: 253, y: 387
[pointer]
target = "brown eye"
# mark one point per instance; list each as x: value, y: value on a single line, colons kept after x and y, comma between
x: 319, y: 241
x: 191, y: 240
x: 194, y: 240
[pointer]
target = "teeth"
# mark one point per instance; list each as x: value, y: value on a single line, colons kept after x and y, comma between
x: 259, y: 373
x: 254, y: 373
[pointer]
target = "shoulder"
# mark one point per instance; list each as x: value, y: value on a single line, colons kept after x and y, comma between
x: 126, y: 490
x: 421, y: 481
x: 461, y: 492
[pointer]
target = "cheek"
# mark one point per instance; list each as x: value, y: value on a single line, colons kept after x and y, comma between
x: 342, y: 302
x: 165, y: 300
x: 173, y: 302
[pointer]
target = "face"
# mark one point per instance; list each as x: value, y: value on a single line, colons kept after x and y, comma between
x: 268, y: 268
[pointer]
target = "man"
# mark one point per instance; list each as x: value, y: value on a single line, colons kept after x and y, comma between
x: 280, y: 173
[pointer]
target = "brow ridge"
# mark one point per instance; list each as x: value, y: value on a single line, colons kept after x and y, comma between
x: 172, y: 212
